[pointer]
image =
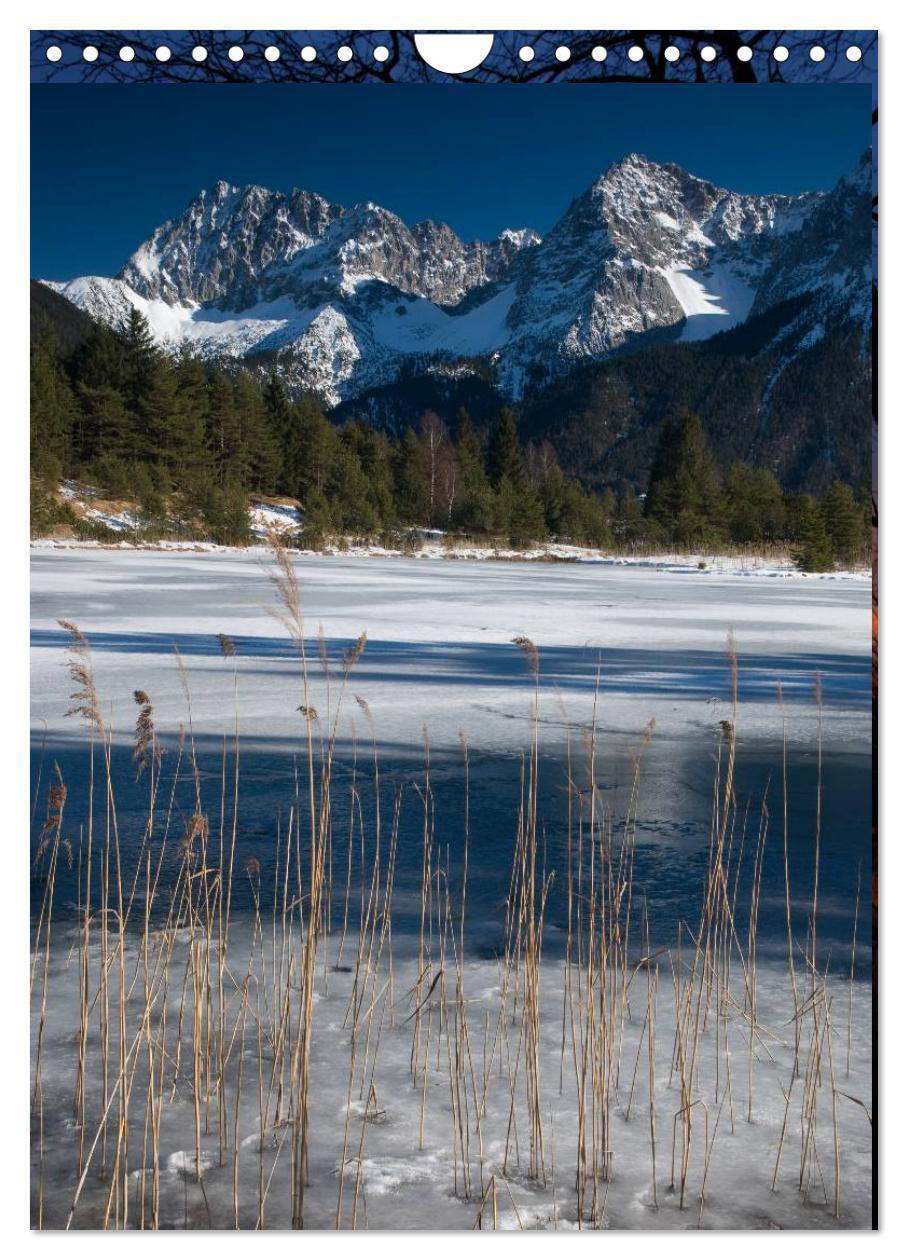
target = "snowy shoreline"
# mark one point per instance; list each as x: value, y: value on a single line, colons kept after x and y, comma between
x: 556, y: 553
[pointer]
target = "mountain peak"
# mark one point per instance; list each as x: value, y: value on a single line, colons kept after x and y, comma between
x: 635, y: 160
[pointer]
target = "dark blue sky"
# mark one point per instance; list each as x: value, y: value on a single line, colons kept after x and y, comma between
x: 110, y: 163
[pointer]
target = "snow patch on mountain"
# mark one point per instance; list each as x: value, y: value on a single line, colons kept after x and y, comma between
x: 711, y: 300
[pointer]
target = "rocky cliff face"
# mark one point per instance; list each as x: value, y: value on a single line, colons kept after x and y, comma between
x: 348, y: 299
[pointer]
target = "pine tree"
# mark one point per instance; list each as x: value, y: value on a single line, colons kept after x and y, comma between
x: 258, y: 464
x: 521, y: 514
x: 192, y: 468
x: 632, y: 525
x: 683, y: 496
x: 286, y: 435
x: 555, y: 491
x: 100, y: 360
x: 140, y: 358
x: 159, y: 420
x: 506, y: 462
x: 373, y: 451
x: 107, y: 426
x: 52, y: 413
x: 473, y: 507
x: 225, y: 434
x: 754, y: 505
x: 411, y: 480
x: 814, y: 553
x: 225, y: 512
x: 844, y: 521
x: 318, y: 442
x: 518, y: 509
x: 347, y: 491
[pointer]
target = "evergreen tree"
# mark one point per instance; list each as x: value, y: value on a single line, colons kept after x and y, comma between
x: 844, y: 523
x: 159, y: 421
x: 373, y: 451
x: 631, y: 524
x: 473, y: 506
x: 225, y: 512
x: 286, y: 435
x: 258, y: 459
x: 230, y: 458
x: 139, y: 359
x: 814, y: 553
x: 412, y: 481
x: 318, y: 442
x: 191, y: 466
x: 347, y: 491
x: 506, y: 462
x: 755, y: 506
x: 518, y: 508
x: 106, y: 425
x: 552, y: 487
x: 317, y: 520
x: 683, y: 495
x: 100, y: 360
x: 53, y: 411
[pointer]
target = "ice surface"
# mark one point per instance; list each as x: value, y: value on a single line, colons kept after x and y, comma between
x: 440, y: 652
x: 396, y: 1180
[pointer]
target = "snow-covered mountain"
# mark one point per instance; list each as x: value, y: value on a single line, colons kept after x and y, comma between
x: 349, y: 299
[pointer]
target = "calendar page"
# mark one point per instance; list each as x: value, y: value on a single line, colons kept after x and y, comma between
x: 453, y: 517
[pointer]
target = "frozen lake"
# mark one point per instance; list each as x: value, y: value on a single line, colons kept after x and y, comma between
x: 664, y: 1061
x: 440, y: 660
x: 440, y: 655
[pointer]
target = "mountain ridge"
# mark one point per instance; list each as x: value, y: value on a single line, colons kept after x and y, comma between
x: 341, y: 301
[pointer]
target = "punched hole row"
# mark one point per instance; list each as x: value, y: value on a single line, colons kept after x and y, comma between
x: 707, y: 53
x: 527, y: 53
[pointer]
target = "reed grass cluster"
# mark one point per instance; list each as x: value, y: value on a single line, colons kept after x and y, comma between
x: 184, y: 1013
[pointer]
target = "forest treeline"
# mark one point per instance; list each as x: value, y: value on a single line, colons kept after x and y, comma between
x: 189, y: 444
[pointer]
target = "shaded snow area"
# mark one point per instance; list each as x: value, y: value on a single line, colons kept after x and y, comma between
x: 422, y: 1120
x: 526, y: 901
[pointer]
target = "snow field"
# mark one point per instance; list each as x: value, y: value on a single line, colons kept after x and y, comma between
x: 369, y: 1108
